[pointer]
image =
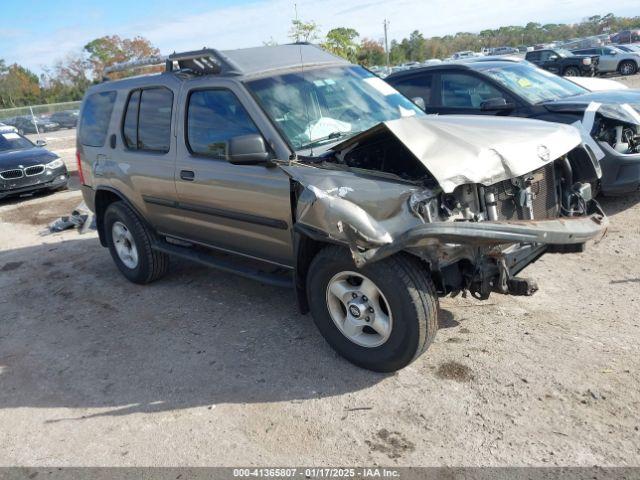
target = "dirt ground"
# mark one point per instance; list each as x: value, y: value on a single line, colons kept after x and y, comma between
x: 206, y: 368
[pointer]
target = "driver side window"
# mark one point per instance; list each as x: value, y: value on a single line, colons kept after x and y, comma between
x: 460, y: 90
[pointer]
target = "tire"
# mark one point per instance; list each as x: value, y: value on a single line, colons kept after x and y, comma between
x: 150, y: 264
x: 627, y: 67
x: 405, y: 290
x: 571, y: 72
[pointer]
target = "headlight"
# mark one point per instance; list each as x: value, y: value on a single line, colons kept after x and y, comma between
x: 586, y: 61
x: 57, y: 163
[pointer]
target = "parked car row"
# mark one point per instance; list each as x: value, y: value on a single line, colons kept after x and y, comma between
x: 340, y: 186
x: 44, y: 123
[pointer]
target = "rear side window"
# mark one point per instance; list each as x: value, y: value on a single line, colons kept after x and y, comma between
x: 94, y: 121
x: 213, y: 118
x: 147, y: 120
x: 416, y: 88
x: 533, y: 56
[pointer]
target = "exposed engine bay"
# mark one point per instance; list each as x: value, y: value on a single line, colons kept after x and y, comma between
x: 623, y: 137
x: 476, y: 212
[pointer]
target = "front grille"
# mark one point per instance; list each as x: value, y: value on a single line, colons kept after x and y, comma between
x: 543, y: 187
x: 35, y: 170
x: 11, y: 174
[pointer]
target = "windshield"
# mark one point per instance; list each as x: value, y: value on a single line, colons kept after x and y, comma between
x: 324, y: 105
x: 13, y: 141
x: 534, y: 84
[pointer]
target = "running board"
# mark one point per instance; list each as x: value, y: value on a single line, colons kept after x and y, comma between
x: 277, y: 280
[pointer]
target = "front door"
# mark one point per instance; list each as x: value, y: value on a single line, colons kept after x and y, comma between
x: 244, y: 209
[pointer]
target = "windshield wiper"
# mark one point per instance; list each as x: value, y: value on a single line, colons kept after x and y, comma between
x: 331, y: 137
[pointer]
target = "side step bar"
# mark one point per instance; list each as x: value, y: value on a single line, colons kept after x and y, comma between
x: 277, y: 280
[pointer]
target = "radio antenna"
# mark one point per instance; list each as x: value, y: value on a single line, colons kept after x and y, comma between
x: 304, y: 80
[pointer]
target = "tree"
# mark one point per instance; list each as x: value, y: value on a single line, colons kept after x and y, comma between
x: 371, y: 53
x: 341, y: 41
x: 111, y: 49
x: 18, y: 86
x: 303, y: 31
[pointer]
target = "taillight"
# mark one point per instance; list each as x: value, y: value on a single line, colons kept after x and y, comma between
x: 80, y: 174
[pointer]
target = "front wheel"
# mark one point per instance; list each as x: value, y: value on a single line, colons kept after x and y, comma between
x: 627, y: 68
x: 381, y: 316
x: 571, y: 72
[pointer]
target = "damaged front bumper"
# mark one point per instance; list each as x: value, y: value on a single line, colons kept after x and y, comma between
x: 435, y: 240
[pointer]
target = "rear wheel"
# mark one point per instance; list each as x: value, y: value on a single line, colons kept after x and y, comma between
x: 381, y: 316
x: 129, y: 242
x: 571, y: 72
x: 627, y: 68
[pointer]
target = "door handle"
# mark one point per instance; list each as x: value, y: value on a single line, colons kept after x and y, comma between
x: 187, y: 175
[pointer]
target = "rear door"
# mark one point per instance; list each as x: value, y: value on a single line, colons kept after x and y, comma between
x: 142, y: 155
x: 244, y: 209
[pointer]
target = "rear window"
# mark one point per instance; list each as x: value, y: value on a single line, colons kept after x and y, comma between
x: 147, y: 121
x: 96, y: 114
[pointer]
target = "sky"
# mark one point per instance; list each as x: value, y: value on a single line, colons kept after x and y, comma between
x: 37, y: 33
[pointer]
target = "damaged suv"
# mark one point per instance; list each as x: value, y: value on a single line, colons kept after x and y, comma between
x: 293, y: 167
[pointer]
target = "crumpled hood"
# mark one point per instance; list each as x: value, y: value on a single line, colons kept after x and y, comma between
x: 26, y: 158
x: 459, y: 149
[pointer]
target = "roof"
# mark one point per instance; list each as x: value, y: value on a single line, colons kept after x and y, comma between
x: 239, y: 63
x: 465, y: 64
x: 257, y: 60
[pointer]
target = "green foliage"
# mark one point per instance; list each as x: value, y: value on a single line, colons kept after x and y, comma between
x: 341, y: 41
x: 303, y: 31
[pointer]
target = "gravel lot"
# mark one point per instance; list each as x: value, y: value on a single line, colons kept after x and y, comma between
x: 206, y: 368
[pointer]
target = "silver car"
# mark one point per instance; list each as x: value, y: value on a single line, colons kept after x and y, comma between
x: 613, y: 59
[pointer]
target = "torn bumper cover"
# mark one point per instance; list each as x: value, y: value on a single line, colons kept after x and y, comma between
x: 344, y: 222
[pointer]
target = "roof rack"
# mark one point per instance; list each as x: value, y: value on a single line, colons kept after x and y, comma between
x: 203, y: 62
x: 134, y: 64
x: 207, y: 61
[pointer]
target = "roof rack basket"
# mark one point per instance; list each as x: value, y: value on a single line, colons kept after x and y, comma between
x: 207, y: 61
x: 203, y: 62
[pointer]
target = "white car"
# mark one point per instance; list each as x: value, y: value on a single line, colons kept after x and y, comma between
x: 7, y: 128
x: 595, y: 84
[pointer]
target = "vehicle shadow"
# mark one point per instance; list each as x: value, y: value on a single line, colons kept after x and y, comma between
x: 74, y: 333
x: 614, y: 205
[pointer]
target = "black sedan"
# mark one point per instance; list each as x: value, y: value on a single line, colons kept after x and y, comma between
x: 610, y: 119
x: 27, y: 124
x: 25, y: 167
x: 66, y: 118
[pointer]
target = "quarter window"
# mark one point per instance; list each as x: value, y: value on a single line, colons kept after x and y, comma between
x: 94, y: 121
x: 147, y: 121
x: 213, y: 118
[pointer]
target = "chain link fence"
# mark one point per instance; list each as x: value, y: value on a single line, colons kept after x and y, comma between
x: 41, y: 118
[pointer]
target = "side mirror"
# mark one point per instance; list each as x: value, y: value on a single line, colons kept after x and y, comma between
x: 496, y: 104
x: 247, y: 150
x: 41, y: 143
x: 419, y: 101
